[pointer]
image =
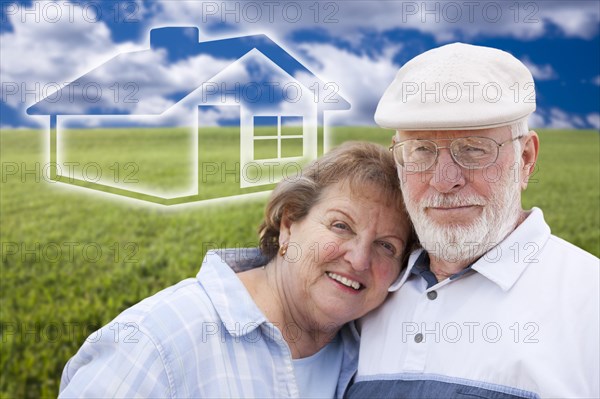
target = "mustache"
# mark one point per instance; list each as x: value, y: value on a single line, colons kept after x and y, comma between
x: 452, y: 200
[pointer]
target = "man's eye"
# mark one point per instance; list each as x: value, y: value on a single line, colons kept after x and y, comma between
x: 423, y: 149
x: 474, y: 150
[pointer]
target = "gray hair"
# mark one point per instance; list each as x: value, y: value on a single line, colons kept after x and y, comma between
x: 519, y: 128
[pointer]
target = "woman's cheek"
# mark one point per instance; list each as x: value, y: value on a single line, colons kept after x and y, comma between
x: 388, y: 274
x: 330, y: 249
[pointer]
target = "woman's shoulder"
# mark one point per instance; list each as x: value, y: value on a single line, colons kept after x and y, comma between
x: 214, y: 297
x: 187, y: 300
x: 135, y: 349
x: 170, y: 308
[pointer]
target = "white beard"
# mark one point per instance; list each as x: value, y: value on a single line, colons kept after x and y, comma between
x: 465, y: 242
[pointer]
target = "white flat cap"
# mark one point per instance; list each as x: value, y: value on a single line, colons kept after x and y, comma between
x: 458, y: 87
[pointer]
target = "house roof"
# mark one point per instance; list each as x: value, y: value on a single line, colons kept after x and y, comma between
x: 137, y: 83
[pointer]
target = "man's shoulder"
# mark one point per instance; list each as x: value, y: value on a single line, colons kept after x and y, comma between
x: 562, y: 250
x: 538, y: 239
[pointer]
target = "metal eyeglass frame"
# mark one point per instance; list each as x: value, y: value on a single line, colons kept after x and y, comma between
x: 438, y: 148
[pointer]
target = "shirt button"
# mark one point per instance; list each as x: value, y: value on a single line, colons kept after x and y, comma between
x: 432, y: 295
x: 418, y: 338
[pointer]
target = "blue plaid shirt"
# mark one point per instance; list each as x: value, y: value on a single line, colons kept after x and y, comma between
x: 203, y: 337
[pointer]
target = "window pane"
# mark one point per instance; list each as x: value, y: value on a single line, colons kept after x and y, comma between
x: 265, y: 149
x: 291, y: 148
x: 265, y: 126
x: 291, y: 125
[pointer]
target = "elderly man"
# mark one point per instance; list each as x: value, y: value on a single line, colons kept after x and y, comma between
x: 494, y: 305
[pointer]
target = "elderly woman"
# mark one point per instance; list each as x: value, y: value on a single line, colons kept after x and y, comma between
x: 331, y: 244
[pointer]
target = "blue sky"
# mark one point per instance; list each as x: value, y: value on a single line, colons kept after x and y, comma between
x: 358, y: 45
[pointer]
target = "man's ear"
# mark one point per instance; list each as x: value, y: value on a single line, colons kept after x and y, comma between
x: 529, y: 157
x: 284, y: 228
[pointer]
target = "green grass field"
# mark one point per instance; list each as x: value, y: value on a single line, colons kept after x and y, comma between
x: 73, y: 258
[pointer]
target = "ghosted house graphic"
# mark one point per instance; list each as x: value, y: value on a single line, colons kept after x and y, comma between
x: 274, y: 105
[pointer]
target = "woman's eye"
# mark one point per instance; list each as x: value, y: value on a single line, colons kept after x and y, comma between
x: 388, y: 247
x: 340, y: 226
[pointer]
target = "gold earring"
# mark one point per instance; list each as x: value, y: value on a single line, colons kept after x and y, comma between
x: 283, y: 249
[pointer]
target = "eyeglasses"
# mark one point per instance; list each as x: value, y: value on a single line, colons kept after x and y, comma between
x: 468, y: 152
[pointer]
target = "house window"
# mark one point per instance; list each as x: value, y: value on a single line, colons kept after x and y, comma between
x: 277, y: 137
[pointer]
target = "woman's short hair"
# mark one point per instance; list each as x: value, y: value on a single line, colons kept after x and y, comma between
x: 355, y: 163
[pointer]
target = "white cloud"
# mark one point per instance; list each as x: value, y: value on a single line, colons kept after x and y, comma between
x: 152, y: 105
x: 11, y: 127
x: 559, y: 119
x: 40, y: 56
x: 555, y: 118
x: 446, y: 21
x: 56, y: 52
x: 536, y: 121
x: 540, y: 72
x: 594, y: 120
x: 155, y: 78
x: 362, y: 80
x: 211, y: 117
x: 575, y: 18
x: 52, y: 53
x: 596, y: 80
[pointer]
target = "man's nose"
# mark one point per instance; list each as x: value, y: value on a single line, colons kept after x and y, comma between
x: 447, y: 174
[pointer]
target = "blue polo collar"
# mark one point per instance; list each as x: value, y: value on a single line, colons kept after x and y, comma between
x: 422, y: 268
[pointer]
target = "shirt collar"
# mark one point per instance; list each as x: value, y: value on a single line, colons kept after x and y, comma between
x: 422, y: 268
x: 242, y: 259
x: 504, y: 263
x: 240, y: 315
x: 412, y: 259
x: 232, y: 302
